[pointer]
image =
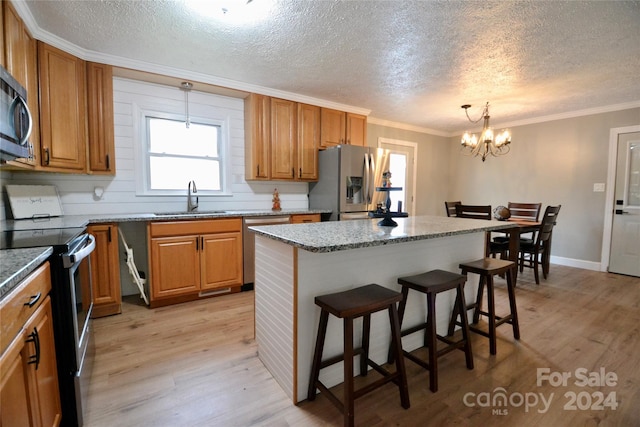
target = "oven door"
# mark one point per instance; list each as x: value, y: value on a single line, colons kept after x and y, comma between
x: 78, y: 264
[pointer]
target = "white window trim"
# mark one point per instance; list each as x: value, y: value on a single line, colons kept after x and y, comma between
x: 141, y: 168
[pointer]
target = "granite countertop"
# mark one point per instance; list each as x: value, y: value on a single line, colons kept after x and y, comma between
x: 70, y: 221
x: 343, y: 235
x: 16, y: 264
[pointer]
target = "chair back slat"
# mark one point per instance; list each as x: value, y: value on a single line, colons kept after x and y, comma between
x: 525, y: 211
x: 549, y: 219
x: 473, y: 211
x: 450, y: 207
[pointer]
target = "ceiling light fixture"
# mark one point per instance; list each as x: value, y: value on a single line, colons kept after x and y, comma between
x: 488, y: 143
x: 186, y: 87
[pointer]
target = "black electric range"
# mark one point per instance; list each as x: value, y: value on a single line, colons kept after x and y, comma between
x: 71, y: 303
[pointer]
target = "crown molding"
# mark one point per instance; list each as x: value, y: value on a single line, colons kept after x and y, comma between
x: 405, y: 126
x: 562, y: 116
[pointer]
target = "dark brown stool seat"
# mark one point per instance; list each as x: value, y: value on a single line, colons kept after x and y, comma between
x: 432, y: 283
x: 487, y: 268
x: 348, y: 305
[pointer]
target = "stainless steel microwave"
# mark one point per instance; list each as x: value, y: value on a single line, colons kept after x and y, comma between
x: 15, y: 119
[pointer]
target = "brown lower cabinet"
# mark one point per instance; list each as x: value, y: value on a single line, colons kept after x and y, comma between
x: 194, y: 258
x: 29, y: 393
x: 105, y: 270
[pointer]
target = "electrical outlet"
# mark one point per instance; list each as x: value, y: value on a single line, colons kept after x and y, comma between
x: 598, y: 187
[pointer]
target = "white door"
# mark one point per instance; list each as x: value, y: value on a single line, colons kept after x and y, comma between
x: 625, y: 234
x: 402, y: 168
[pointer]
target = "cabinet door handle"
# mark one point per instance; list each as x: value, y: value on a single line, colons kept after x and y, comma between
x: 258, y: 171
x: 109, y: 235
x: 33, y: 300
x: 202, y: 244
x: 46, y: 156
x: 293, y: 173
x: 300, y: 176
x: 197, y: 244
x: 108, y: 162
x: 35, y: 339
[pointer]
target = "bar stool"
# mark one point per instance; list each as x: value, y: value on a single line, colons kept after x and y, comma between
x: 487, y: 268
x: 348, y: 305
x: 432, y: 283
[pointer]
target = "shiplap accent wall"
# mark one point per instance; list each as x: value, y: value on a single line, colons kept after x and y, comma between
x: 275, y: 319
x: 77, y: 191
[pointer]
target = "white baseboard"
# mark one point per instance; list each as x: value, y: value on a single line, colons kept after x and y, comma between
x: 578, y: 263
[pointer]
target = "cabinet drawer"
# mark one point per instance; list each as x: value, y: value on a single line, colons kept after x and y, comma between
x: 190, y: 227
x: 15, y: 309
x: 304, y: 218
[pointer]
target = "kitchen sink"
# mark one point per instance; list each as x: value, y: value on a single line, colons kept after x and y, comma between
x: 186, y: 213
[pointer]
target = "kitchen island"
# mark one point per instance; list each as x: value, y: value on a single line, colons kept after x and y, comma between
x: 295, y: 263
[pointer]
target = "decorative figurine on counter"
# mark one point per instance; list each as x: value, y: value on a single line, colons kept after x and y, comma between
x: 386, y: 179
x: 276, y: 201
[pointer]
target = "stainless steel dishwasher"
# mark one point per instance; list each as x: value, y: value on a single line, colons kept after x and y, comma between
x: 249, y: 244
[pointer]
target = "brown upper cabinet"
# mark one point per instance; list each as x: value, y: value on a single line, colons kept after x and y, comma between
x: 102, y: 156
x: 281, y: 139
x: 308, y: 142
x: 76, y: 113
x: 339, y: 128
x: 356, y: 129
x: 257, y: 124
x: 2, y: 59
x: 63, y: 110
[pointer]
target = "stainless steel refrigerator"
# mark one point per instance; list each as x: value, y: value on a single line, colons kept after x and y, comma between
x: 349, y: 176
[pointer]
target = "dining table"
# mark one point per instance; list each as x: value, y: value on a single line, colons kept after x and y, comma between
x: 514, y: 233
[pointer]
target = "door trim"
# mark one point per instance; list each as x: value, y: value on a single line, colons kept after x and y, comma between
x: 609, y: 195
x: 414, y: 146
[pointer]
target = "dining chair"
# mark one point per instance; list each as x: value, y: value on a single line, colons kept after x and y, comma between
x: 525, y: 211
x: 450, y: 207
x: 522, y: 211
x: 534, y: 254
x: 483, y: 212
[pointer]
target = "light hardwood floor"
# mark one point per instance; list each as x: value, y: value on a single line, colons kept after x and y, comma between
x: 196, y: 364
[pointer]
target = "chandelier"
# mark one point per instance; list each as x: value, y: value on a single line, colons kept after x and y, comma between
x: 488, y: 143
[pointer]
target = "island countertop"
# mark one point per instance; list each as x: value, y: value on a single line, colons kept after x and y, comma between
x: 342, y: 235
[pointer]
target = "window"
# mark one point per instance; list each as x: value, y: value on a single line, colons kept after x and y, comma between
x: 175, y: 155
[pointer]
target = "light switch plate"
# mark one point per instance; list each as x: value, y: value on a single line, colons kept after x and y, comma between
x: 598, y: 187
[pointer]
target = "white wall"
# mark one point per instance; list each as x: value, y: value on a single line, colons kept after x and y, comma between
x: 77, y: 191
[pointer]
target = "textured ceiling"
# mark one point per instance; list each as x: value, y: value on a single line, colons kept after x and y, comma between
x: 413, y: 62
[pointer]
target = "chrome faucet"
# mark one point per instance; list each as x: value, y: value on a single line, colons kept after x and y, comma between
x: 191, y: 189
